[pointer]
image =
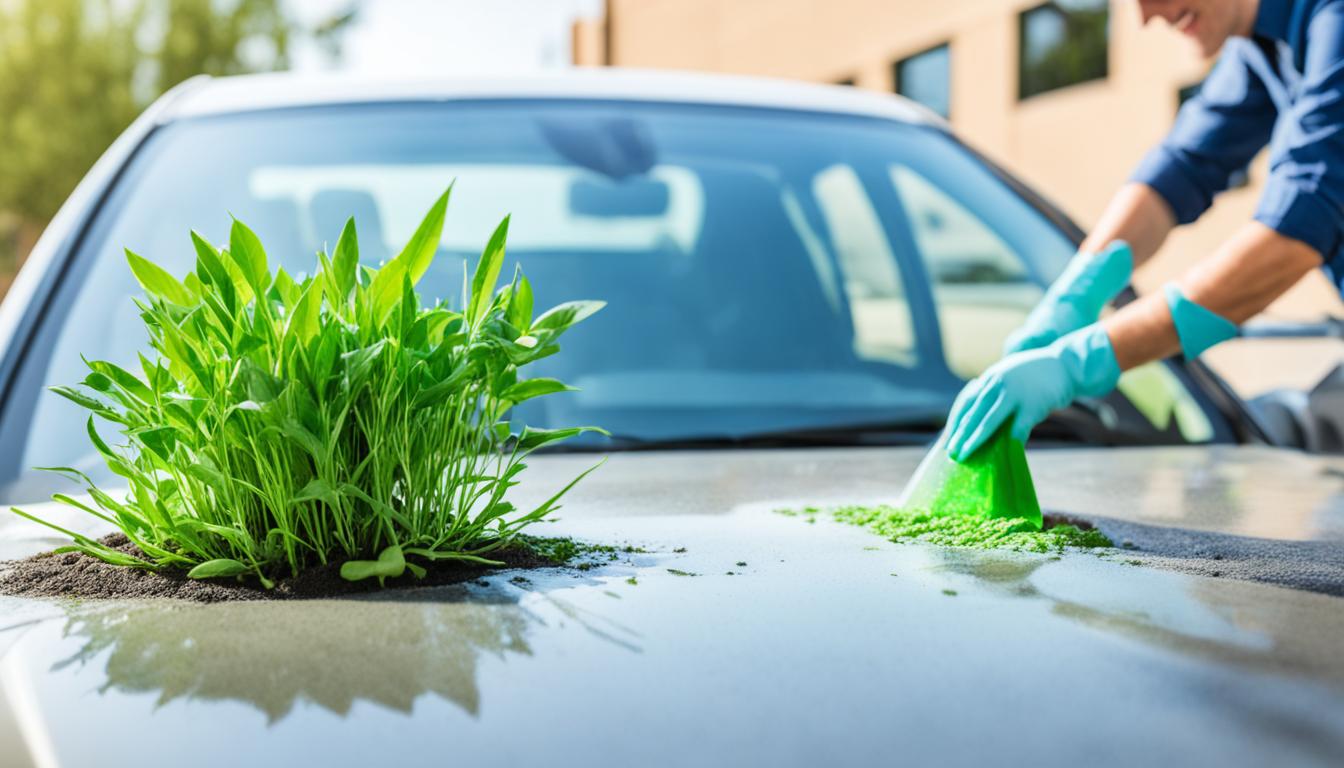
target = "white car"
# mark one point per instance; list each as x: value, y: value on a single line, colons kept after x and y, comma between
x: 799, y: 280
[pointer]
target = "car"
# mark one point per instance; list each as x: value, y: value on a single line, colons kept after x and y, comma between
x: 799, y: 281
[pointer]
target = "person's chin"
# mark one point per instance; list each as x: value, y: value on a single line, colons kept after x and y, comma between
x: 1210, y: 48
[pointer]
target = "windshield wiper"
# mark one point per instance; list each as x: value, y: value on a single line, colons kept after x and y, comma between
x: 1071, y: 426
x: 873, y: 433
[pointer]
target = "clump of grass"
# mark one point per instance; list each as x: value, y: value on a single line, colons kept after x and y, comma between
x: 294, y: 422
x: 1019, y: 534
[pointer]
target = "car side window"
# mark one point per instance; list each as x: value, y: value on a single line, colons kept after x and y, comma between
x: 883, y: 327
x: 980, y: 285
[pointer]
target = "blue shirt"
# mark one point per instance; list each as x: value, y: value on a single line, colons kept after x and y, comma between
x: 1283, y: 87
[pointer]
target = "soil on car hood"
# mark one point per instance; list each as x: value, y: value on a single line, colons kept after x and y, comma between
x: 76, y: 575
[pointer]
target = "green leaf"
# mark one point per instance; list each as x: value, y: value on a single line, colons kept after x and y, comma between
x: 160, y: 440
x: 550, y: 505
x: 193, y: 284
x: 419, y: 252
x: 69, y: 473
x: 562, y: 316
x: 526, y: 390
x: 258, y: 385
x: 344, y: 262
x: 157, y: 282
x: 211, y: 477
x: 70, y: 502
x: 240, y: 284
x: 306, y: 440
x: 88, y: 546
x: 534, y: 438
x: 385, y: 290
x: 391, y: 563
x: 434, y: 554
x: 305, y: 321
x: 215, y: 569
x: 114, y: 461
x: 438, y: 391
x: 285, y: 289
x: 124, y: 379
x: 318, y: 489
x: 210, y: 268
x: 487, y: 273
x: 89, y: 403
x: 247, y: 253
x: 239, y: 539
x: 98, y: 381
x: 410, y: 307
x: 520, y: 304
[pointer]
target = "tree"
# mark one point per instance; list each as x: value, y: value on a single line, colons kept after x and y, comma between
x: 75, y: 73
x: 66, y: 70
x: 253, y: 36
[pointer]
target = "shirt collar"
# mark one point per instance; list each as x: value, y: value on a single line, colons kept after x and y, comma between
x: 1274, y: 18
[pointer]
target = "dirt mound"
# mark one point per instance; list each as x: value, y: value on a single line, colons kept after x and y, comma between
x: 77, y: 575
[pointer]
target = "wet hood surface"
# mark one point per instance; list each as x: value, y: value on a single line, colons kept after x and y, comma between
x: 825, y: 645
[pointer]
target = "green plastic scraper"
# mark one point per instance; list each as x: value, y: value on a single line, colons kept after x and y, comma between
x: 994, y: 482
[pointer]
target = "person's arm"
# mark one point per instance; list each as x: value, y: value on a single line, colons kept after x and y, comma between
x: 1254, y: 267
x: 1298, y: 224
x: 1138, y: 215
x: 1216, y: 133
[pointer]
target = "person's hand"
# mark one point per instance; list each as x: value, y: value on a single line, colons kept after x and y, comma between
x: 1076, y: 298
x: 1023, y: 388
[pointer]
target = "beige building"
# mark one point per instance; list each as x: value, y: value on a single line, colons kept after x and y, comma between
x: 1073, y: 143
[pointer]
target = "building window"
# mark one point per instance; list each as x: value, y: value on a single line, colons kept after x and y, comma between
x: 1062, y: 43
x: 1238, y: 179
x: 926, y: 78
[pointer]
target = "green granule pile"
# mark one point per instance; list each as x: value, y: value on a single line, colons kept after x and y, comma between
x: 563, y: 550
x: 1013, y: 533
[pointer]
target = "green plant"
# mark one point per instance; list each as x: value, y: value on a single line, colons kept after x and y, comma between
x: 290, y: 422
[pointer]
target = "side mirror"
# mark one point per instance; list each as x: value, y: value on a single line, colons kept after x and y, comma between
x: 1312, y: 421
x: 1325, y: 403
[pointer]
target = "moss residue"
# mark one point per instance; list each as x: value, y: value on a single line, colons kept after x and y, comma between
x: 1013, y: 533
x: 563, y: 550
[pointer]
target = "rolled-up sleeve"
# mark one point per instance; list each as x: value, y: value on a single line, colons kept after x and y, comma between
x: 1304, y: 196
x: 1216, y: 134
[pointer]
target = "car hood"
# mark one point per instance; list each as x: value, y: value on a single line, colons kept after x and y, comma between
x: 746, y: 636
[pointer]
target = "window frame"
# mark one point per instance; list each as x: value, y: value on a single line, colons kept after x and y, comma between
x: 1023, y: 92
x: 896, y: 78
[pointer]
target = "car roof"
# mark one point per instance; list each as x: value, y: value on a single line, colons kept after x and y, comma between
x: 246, y: 93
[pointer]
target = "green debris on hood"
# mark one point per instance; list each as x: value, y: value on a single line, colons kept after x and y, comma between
x: 994, y: 482
x: 986, y: 502
x: 1018, y: 534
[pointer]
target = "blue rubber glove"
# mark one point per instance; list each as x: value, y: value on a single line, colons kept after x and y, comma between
x: 1025, y: 387
x: 1198, y: 328
x: 1076, y: 298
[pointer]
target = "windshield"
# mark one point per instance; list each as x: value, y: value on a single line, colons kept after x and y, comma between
x: 765, y: 271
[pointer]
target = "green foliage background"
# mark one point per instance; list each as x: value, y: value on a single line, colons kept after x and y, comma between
x: 75, y: 73
x: 1081, y: 55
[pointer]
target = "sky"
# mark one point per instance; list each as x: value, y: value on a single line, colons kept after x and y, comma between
x: 446, y: 37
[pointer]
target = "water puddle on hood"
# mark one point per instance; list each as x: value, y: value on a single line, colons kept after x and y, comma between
x: 1243, y: 623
